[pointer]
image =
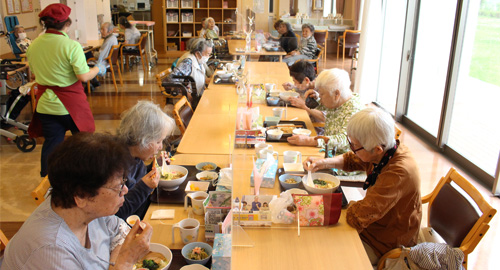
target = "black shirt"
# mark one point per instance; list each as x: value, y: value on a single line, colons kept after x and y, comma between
x: 288, y: 41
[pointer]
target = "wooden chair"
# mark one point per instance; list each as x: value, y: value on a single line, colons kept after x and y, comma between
x: 182, y: 114
x: 321, y: 37
x: 3, y: 242
x: 159, y: 80
x: 453, y: 217
x: 315, y: 61
x: 140, y: 51
x: 397, y: 132
x: 39, y: 192
x: 350, y: 40
x: 112, y: 59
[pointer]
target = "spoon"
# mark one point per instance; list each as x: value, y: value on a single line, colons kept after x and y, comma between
x: 309, y: 176
x: 164, y: 168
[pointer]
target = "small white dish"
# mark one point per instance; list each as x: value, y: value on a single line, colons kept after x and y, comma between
x: 293, y: 167
x: 193, y: 186
x: 297, y: 191
x: 301, y: 131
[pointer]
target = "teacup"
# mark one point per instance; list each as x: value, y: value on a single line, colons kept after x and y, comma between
x: 197, y: 199
x: 263, y: 153
x: 270, y: 87
x: 292, y: 157
x: 278, y: 112
x: 189, y: 228
x: 260, y: 146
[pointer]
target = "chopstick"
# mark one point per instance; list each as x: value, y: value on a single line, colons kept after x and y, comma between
x: 298, y: 222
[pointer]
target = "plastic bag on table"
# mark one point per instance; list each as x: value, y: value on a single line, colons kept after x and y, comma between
x: 279, y: 209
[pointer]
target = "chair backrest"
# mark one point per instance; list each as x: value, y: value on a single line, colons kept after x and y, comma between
x: 351, y: 37
x: 454, y: 217
x: 10, y: 24
x: 321, y: 36
x: 113, y: 55
x: 3, y: 242
x: 39, y: 192
x: 183, y: 113
x: 397, y: 132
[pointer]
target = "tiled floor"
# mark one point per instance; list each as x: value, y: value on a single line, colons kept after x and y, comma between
x: 19, y: 172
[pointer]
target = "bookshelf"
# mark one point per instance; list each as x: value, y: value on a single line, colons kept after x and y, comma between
x: 182, y: 20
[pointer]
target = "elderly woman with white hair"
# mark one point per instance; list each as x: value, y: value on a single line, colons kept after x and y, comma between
x: 211, y: 31
x: 192, y: 64
x: 338, y: 104
x: 389, y: 216
x: 22, y: 41
x: 143, y: 129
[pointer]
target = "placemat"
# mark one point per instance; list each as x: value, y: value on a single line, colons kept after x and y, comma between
x: 285, y: 135
x: 178, y: 260
x: 177, y: 196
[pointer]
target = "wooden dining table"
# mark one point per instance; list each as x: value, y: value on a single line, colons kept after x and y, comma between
x: 210, y: 137
x: 237, y: 48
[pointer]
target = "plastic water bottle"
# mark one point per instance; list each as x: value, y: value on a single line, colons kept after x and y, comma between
x: 242, y: 60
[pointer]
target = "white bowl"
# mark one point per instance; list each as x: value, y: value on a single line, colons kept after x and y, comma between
x: 210, y: 174
x: 297, y: 191
x: 194, y: 267
x: 301, y: 131
x: 287, y: 94
x: 189, y: 247
x: 197, y: 185
x: 165, y: 251
x: 223, y: 74
x: 322, y: 176
x: 274, y: 134
x: 173, y: 184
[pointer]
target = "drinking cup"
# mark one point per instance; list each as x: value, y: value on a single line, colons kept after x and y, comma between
x: 197, y: 199
x: 292, y: 157
x: 278, y: 112
x: 270, y: 87
x: 263, y: 153
x: 260, y: 146
x: 189, y: 228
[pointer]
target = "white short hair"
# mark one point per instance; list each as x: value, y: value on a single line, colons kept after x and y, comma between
x: 144, y: 124
x: 372, y: 127
x: 333, y: 79
x: 205, y: 23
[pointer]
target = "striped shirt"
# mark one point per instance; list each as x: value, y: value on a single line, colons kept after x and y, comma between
x: 308, y: 46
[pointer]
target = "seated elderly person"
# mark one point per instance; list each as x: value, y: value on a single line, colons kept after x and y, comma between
x: 389, y: 216
x: 303, y: 76
x: 109, y: 41
x: 132, y: 35
x: 307, y: 47
x: 192, y: 64
x: 338, y: 103
x: 142, y: 129
x: 276, y: 25
x: 22, y: 41
x: 75, y: 227
x: 209, y: 29
x: 288, y: 39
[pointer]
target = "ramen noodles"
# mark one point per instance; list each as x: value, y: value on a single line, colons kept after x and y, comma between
x: 171, y: 176
x: 152, y: 261
x: 323, y: 184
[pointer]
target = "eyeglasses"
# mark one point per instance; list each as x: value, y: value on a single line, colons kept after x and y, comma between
x: 120, y: 189
x: 352, y: 147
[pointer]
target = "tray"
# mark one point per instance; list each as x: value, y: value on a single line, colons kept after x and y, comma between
x: 177, y: 196
x: 285, y: 135
x: 178, y: 260
x: 329, y: 171
x: 230, y: 80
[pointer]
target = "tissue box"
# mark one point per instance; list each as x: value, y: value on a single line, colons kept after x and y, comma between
x: 269, y: 177
x: 217, y: 205
x: 221, y: 253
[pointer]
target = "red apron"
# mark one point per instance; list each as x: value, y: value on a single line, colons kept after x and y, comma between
x: 73, y: 98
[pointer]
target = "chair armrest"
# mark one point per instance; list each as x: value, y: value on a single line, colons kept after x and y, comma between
x: 426, y: 198
x: 91, y: 59
x: 391, y: 254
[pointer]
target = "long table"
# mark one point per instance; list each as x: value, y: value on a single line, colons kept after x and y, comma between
x: 207, y: 138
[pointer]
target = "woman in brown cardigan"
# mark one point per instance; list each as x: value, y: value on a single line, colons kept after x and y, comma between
x: 389, y: 216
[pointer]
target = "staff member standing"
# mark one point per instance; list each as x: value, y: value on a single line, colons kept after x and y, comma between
x: 59, y: 65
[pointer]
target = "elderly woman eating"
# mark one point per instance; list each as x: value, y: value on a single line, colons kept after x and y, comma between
x: 75, y: 228
x: 192, y: 64
x: 338, y: 104
x: 389, y: 216
x: 142, y: 129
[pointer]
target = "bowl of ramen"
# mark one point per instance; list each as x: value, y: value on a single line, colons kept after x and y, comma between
x: 288, y: 181
x: 159, y: 257
x: 206, y: 166
x: 207, y: 176
x: 172, y: 180
x: 197, y: 252
x: 285, y: 96
x: 323, y: 183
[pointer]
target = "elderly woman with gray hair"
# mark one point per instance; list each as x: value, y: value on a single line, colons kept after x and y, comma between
x: 143, y: 129
x: 338, y: 104
x: 192, y: 64
x: 389, y: 216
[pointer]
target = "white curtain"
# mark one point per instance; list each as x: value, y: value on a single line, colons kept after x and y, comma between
x: 369, y: 50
